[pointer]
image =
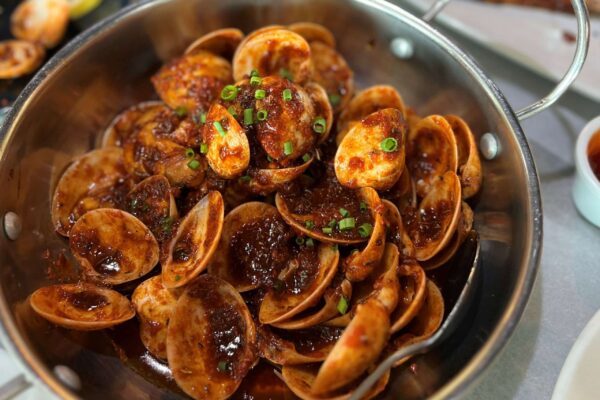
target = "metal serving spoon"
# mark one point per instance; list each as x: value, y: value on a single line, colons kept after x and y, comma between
x: 448, y: 326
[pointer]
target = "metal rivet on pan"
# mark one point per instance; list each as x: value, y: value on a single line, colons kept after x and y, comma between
x: 488, y: 145
x: 402, y: 48
x: 67, y: 376
x: 12, y: 225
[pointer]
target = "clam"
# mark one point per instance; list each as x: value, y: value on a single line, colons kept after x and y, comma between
x: 221, y: 42
x: 268, y: 180
x: 19, y: 57
x: 431, y: 152
x: 89, y: 175
x: 331, y: 213
x: 271, y: 51
x: 323, y: 108
x: 469, y: 164
x: 372, y: 153
x: 112, y: 246
x: 195, y: 241
x: 331, y: 71
x: 127, y: 121
x: 312, y: 32
x: 153, y: 203
x: 228, y: 148
x: 301, y: 283
x: 192, y: 82
x: 81, y: 306
x: 298, y: 347
x: 154, y: 305
x: 413, y: 285
x: 254, y: 244
x: 300, y: 380
x: 40, y: 21
x: 211, y: 339
x: 357, y: 349
x: 335, y: 301
x: 465, y: 224
x: 367, y: 102
x: 396, y: 233
x: 432, y: 224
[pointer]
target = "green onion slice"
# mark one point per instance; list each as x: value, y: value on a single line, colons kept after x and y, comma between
x: 309, y: 242
x: 255, y: 80
x: 260, y: 94
x: 327, y: 230
x: 334, y: 99
x: 193, y: 164
x: 285, y: 73
x: 248, y: 116
x: 306, y: 157
x: 300, y: 240
x: 287, y: 94
x: 389, y: 144
x: 342, y: 305
x: 344, y: 212
x: 261, y: 115
x: 365, y: 230
x: 203, y: 148
x: 347, y: 224
x: 219, y: 128
x: 181, y: 111
x: 288, y: 148
x: 309, y: 224
x: 229, y: 92
x: 319, y: 125
x: 189, y: 152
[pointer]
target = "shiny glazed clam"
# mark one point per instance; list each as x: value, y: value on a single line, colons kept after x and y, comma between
x: 260, y: 212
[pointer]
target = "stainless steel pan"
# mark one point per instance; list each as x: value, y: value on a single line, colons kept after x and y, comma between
x: 106, y: 69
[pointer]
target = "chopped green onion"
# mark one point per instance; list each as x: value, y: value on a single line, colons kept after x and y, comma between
x: 260, y: 94
x: 231, y: 110
x: 278, y: 285
x: 354, y: 251
x: 300, y: 241
x: 269, y: 158
x: 334, y: 246
x: 287, y: 95
x: 219, y: 128
x: 306, y: 157
x: 389, y: 144
x: 261, y: 115
x: 365, y: 230
x: 189, y: 153
x: 327, y: 230
x: 199, y: 118
x: 334, y: 99
x: 255, y: 80
x: 319, y: 125
x: 309, y: 224
x: 166, y: 224
x: 285, y: 73
x: 248, y: 116
x: 342, y: 305
x: 363, y: 206
x: 332, y: 223
x: 193, y: 164
x: 223, y: 366
x: 203, y: 118
x: 309, y: 242
x: 245, y: 178
x: 254, y: 72
x: 229, y: 92
x: 177, y: 278
x: 346, y: 224
x: 181, y: 112
x: 203, y: 148
x: 344, y: 212
x: 288, y: 148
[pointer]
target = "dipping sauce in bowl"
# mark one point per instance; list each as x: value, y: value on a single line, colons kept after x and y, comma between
x: 593, y: 152
x: 586, y: 187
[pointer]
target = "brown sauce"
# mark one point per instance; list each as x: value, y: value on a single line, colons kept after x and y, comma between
x: 85, y: 300
x: 426, y: 225
x: 104, y: 260
x: 593, y: 153
x: 303, y: 269
x: 310, y: 339
x: 150, y: 203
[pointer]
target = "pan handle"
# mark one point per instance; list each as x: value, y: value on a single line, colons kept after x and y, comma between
x: 581, y: 51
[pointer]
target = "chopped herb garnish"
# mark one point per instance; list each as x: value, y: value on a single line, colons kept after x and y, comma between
x: 327, y: 230
x: 261, y: 115
x: 345, y: 213
x: 248, y: 116
x: 332, y: 223
x: 254, y: 72
x: 203, y: 148
x: 260, y: 94
x: 306, y: 157
x: 177, y: 278
x: 269, y: 158
x: 309, y: 242
x: 342, y: 305
x: 199, y: 118
x: 354, y: 251
x: 319, y: 125
x: 189, y: 152
x: 255, y: 80
x: 203, y: 118
x: 287, y: 94
x: 219, y: 128
x: 231, y: 110
x: 347, y: 224
x: 309, y: 224
x: 288, y: 148
x: 389, y: 144
x: 193, y: 164
x: 278, y: 285
x: 300, y: 240
x: 229, y: 92
x: 363, y: 206
x: 334, y: 246
x: 365, y: 230
x: 285, y: 73
x: 223, y: 366
x: 181, y: 111
x: 166, y: 224
x: 245, y: 178
x: 334, y: 99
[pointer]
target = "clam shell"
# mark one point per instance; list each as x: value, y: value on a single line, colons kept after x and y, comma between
x: 413, y: 285
x: 469, y: 163
x: 312, y: 32
x: 195, y: 241
x: 90, y: 173
x: 221, y: 42
x: 43, y: 22
x: 19, y: 57
x: 431, y: 152
x: 211, y: 339
x: 270, y: 49
x: 360, y: 160
x: 277, y: 307
x: 154, y: 305
x: 82, y: 306
x: 322, y: 106
x: 331, y: 71
x: 192, y: 82
x: 113, y: 246
x: 265, y: 181
x: 128, y: 120
x: 396, y: 233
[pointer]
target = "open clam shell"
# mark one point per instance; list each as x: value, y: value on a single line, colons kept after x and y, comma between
x: 127, y: 121
x: 312, y: 32
x: 372, y: 153
x: 154, y: 305
x: 91, y: 173
x: 268, y: 180
x: 152, y: 202
x: 228, y: 148
x: 331, y: 71
x: 195, y: 241
x: 469, y: 163
x: 271, y: 51
x: 432, y: 224
x: 221, y: 42
x: 19, y: 57
x: 323, y: 107
x: 396, y: 233
x: 367, y: 102
x: 81, y: 306
x: 40, y: 21
x: 252, y: 248
x: 300, y: 380
x: 413, y: 285
x: 357, y: 349
x: 431, y: 152
x: 193, y: 81
x: 113, y: 246
x: 317, y: 212
x: 211, y: 339
x: 307, y: 276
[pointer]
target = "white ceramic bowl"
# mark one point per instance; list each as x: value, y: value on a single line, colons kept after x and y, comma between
x: 586, y: 190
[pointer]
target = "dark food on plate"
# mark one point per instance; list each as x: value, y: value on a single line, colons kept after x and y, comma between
x: 288, y: 220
